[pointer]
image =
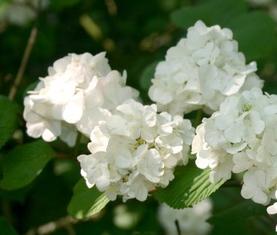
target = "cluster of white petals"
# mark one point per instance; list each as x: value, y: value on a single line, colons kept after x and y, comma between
x: 242, y: 138
x: 201, y: 71
x: 191, y: 221
x: 77, y: 93
x: 20, y: 12
x: 135, y: 150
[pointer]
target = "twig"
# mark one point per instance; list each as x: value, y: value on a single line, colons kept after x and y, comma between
x: 65, y: 223
x: 6, y: 208
x: 111, y: 6
x: 24, y: 63
x: 178, y: 227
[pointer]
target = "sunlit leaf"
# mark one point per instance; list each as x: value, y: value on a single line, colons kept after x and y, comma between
x: 86, y: 202
x: 190, y: 186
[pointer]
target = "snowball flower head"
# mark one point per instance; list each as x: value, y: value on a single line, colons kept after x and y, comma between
x: 201, y: 71
x: 75, y: 95
x: 135, y: 150
x: 242, y: 137
x: 192, y: 221
x: 20, y: 12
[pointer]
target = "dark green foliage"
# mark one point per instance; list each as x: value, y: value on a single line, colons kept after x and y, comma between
x: 22, y: 165
x: 212, y: 12
x: 257, y: 40
x: 8, y: 119
x: 234, y: 215
x: 5, y: 228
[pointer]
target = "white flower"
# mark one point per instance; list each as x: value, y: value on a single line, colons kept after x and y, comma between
x: 242, y: 137
x: 125, y: 218
x: 78, y: 92
x: 201, y: 71
x: 20, y: 12
x: 102, y: 94
x: 192, y: 221
x: 134, y: 150
x: 272, y: 209
x: 255, y: 186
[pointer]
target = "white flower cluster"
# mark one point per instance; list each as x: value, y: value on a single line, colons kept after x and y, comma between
x: 242, y: 137
x: 201, y: 71
x: 77, y: 93
x: 135, y: 150
x: 192, y: 221
x: 20, y: 12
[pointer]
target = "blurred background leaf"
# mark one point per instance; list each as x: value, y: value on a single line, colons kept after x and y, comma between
x: 257, y: 40
x: 234, y: 215
x: 5, y: 228
x: 24, y: 163
x: 8, y: 119
x: 211, y: 12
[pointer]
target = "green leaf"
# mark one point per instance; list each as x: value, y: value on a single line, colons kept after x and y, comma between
x: 8, y: 119
x: 147, y: 75
x: 86, y: 202
x: 5, y: 228
x: 211, y: 12
x: 255, y: 33
x: 24, y: 163
x: 246, y: 217
x: 190, y: 186
x: 15, y: 195
x: 3, y: 7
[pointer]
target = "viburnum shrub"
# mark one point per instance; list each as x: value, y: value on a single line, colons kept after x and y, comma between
x: 203, y: 122
x: 135, y: 148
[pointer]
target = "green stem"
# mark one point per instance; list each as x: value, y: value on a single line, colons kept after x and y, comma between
x: 198, y: 117
x: 178, y: 227
x: 77, y: 144
x: 24, y: 62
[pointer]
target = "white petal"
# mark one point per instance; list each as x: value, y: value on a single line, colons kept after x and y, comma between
x: 73, y: 110
x: 99, y: 139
